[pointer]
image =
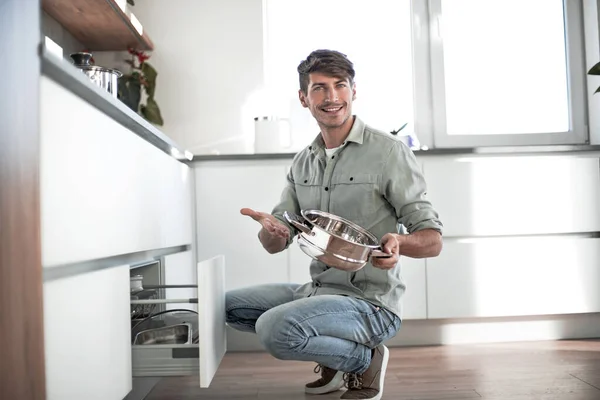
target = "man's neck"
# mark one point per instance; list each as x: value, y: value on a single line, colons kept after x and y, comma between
x: 334, y: 137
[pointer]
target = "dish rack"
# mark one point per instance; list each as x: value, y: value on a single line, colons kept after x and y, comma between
x: 149, y: 315
x: 141, y: 311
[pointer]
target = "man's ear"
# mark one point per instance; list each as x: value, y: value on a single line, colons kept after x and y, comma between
x: 302, y: 98
x: 354, y: 91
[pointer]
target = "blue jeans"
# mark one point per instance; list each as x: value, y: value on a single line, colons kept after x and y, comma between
x: 335, y: 331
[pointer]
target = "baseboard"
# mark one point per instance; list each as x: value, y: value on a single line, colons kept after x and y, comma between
x: 468, y: 331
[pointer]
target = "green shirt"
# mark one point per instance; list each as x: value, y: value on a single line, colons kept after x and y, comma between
x: 374, y: 181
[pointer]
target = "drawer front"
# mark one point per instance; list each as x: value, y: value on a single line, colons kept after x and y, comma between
x: 105, y: 191
x: 505, y: 277
x: 515, y: 195
x: 87, y: 336
x: 204, y: 358
x: 165, y: 360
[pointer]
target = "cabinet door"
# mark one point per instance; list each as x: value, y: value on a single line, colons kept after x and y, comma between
x: 211, y: 317
x: 299, y: 264
x: 87, y: 336
x: 99, y: 199
x: 515, y: 195
x: 514, y: 276
x: 222, y: 190
x: 414, y: 301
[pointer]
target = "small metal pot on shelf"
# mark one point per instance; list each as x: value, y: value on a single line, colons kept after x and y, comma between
x: 106, y: 78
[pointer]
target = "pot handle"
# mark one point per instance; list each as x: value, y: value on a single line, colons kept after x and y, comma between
x: 298, y: 222
x: 379, y: 253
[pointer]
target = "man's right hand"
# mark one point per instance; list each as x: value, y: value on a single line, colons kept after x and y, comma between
x: 270, y: 224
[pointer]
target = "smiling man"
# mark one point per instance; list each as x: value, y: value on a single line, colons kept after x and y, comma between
x: 340, y: 319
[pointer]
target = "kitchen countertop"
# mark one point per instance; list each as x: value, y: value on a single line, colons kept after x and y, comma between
x: 483, y: 151
x: 68, y: 76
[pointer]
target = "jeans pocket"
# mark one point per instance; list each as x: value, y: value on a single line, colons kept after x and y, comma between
x: 390, y: 330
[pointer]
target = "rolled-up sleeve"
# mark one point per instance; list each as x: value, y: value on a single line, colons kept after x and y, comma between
x: 287, y: 202
x: 404, y: 186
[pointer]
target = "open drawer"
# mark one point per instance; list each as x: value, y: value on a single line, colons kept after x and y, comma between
x: 204, y: 357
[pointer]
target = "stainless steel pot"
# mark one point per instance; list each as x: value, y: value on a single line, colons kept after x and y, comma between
x: 106, y: 78
x: 335, y: 241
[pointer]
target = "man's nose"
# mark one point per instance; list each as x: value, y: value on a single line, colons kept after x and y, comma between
x: 332, y: 95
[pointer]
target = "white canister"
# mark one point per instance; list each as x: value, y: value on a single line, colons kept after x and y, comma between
x: 271, y: 135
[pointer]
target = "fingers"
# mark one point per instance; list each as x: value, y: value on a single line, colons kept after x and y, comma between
x: 385, y: 262
x: 276, y: 228
x: 255, y: 215
x: 389, y: 245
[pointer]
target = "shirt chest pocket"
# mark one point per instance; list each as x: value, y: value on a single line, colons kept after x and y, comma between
x: 308, y: 191
x: 355, y: 196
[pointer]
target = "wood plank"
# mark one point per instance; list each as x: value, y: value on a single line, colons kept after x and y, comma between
x: 21, y: 319
x: 502, y: 371
x: 101, y: 25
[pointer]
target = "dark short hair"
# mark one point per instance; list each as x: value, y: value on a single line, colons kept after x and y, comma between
x: 329, y: 62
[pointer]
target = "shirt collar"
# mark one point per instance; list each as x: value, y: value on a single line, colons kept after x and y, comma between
x: 355, y: 135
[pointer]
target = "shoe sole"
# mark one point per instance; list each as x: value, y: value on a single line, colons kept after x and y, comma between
x: 336, y: 383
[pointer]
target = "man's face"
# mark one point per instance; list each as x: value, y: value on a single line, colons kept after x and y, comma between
x: 329, y: 99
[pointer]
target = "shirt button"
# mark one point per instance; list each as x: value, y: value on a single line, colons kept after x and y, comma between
x: 306, y: 181
x: 310, y: 147
x: 326, y: 189
x: 351, y: 178
x: 318, y: 284
x: 332, y: 157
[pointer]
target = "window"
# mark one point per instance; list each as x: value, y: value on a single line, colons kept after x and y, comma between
x: 459, y: 72
x: 500, y: 72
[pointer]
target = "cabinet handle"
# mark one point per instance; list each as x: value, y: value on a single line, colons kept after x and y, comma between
x: 165, y: 301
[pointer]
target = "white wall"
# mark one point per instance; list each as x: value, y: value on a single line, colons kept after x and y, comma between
x: 208, y: 55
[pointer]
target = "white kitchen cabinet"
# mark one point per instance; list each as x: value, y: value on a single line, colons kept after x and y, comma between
x: 485, y: 196
x: 87, y: 336
x: 104, y: 190
x: 514, y: 276
x: 414, y: 301
x: 222, y: 190
x: 203, y: 358
x: 299, y: 264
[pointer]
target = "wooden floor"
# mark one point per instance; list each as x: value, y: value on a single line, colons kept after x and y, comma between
x: 554, y: 370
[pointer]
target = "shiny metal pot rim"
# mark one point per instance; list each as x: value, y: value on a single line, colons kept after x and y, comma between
x: 334, y: 240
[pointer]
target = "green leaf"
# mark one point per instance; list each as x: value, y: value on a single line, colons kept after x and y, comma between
x: 150, y: 74
x: 151, y: 112
x: 595, y: 70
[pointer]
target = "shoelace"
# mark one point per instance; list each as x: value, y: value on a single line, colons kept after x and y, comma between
x: 353, y: 381
x: 318, y: 368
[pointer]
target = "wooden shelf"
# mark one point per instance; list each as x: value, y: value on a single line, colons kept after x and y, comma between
x: 100, y: 25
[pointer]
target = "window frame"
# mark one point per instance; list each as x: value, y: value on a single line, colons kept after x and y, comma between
x: 576, y: 80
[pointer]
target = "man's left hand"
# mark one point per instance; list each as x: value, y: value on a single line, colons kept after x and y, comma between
x: 390, y: 245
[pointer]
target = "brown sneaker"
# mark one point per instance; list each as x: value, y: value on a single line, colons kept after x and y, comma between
x: 330, y: 381
x: 370, y: 384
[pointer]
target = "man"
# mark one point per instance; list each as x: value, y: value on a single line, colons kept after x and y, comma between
x: 341, y: 319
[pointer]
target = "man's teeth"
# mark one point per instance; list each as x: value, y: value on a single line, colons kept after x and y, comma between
x: 332, y: 109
